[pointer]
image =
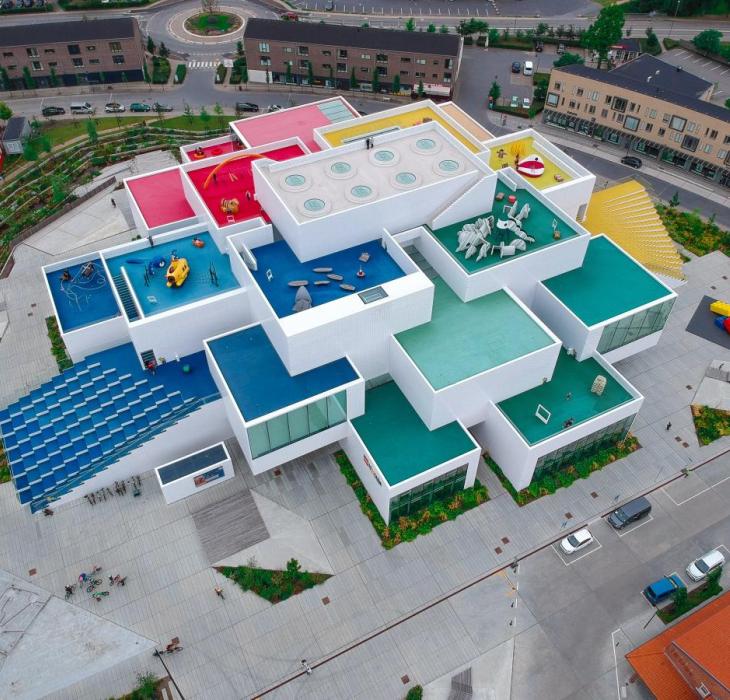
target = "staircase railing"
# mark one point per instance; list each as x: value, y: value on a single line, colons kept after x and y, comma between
x: 99, y: 464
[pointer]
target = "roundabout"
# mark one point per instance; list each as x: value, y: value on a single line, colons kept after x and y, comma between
x: 221, y: 27
x: 215, y: 24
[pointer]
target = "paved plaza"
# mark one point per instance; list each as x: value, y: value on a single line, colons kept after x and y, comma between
x: 241, y: 646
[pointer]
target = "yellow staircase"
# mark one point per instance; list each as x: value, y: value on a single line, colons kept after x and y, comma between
x: 626, y: 214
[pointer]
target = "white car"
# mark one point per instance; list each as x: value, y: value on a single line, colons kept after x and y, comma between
x: 114, y: 107
x: 526, y: 102
x: 699, y: 568
x: 578, y: 540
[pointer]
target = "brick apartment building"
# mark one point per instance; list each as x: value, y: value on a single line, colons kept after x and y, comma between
x: 71, y: 53
x: 335, y: 51
x: 649, y: 107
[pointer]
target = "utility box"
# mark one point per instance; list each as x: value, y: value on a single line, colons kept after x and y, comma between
x: 194, y: 472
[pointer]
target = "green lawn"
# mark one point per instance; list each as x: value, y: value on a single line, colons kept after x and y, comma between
x: 217, y: 21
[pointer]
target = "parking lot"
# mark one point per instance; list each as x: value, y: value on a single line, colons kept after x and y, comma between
x: 705, y: 68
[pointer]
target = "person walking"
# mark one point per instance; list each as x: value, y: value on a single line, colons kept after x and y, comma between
x: 668, y: 426
x: 307, y: 668
x: 114, y: 204
x: 219, y: 592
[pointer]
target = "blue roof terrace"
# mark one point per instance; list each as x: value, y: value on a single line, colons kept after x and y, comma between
x: 260, y: 382
x: 324, y: 276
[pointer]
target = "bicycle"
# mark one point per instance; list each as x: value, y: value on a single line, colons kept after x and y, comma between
x: 99, y: 595
x: 171, y: 650
x: 93, y: 583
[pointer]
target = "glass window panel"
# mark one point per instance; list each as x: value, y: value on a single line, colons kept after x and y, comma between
x: 317, y: 415
x: 337, y: 408
x: 258, y: 439
x: 298, y: 424
x: 278, y: 431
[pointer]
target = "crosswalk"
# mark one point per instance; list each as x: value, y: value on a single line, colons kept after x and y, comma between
x: 202, y: 65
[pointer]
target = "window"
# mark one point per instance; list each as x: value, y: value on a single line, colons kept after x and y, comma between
x: 713, y: 133
x: 571, y: 104
x: 691, y: 127
x: 95, y: 61
x: 632, y: 106
x: 341, y: 53
x: 648, y: 127
x: 707, y: 148
x: 662, y: 132
x: 608, y: 99
x: 12, y: 66
x: 264, y: 47
x: 303, y: 51
x: 115, y: 46
x: 677, y: 123
x: 78, y: 62
x: 364, y: 69
x: 449, y: 64
x: 342, y: 68
x: 726, y: 139
x: 382, y: 71
x: 676, y: 137
x: 639, y: 325
x: 619, y: 104
x: 604, y: 113
x: 579, y: 92
x: 420, y: 496
x: 652, y: 114
x: 447, y: 77
x: 721, y: 154
x: 421, y: 61
x: 327, y: 66
x: 365, y: 56
x: 74, y: 49
x: 52, y: 64
x: 33, y: 53
x: 288, y: 49
x: 593, y: 96
x: 118, y: 59
x: 405, y: 59
x: 91, y: 47
x: 36, y: 65
x: 7, y: 54
x: 690, y: 143
x: 405, y: 72
x: 552, y: 99
x: 303, y: 63
x: 619, y: 118
x: 265, y: 60
x: 631, y: 123
x: 420, y: 75
x: 49, y: 50
x: 381, y: 57
x: 326, y: 52
x: 591, y: 109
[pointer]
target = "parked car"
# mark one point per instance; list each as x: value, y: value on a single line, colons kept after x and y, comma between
x: 631, y: 161
x: 274, y: 108
x: 629, y: 513
x: 663, y: 588
x: 514, y: 102
x: 52, y: 111
x: 246, y: 107
x: 290, y: 16
x: 114, y: 107
x: 526, y: 102
x: 159, y: 107
x: 539, y: 46
x: 82, y: 108
x: 561, y: 49
x: 528, y: 68
x: 329, y: 6
x: 139, y: 107
x: 516, y: 67
x: 578, y: 540
x: 699, y: 568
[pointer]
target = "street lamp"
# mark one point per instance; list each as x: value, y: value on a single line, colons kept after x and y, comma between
x: 676, y: 11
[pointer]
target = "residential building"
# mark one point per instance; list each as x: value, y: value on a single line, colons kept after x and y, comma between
x: 689, y: 660
x: 398, y: 284
x: 340, y: 56
x: 71, y: 53
x: 658, y: 115
x: 17, y: 130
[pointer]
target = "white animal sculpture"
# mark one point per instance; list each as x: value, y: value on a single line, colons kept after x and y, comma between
x: 524, y: 212
x: 470, y: 251
x: 524, y: 236
x: 505, y: 250
x: 483, y: 251
x: 518, y: 244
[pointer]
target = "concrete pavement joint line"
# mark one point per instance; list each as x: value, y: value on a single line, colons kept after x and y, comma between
x: 489, y: 574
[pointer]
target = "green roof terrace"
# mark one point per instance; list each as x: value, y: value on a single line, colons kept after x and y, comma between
x: 610, y: 283
x: 466, y: 338
x: 568, y: 398
x: 538, y: 224
x: 399, y: 440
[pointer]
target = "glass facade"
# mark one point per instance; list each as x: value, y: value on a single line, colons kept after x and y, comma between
x: 420, y: 496
x: 638, y: 325
x: 585, y: 446
x: 302, y: 422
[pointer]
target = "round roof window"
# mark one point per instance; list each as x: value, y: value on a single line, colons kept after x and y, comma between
x: 384, y: 156
x: 426, y: 144
x: 314, y: 204
x: 448, y: 165
x: 405, y: 178
x: 340, y: 168
x: 295, y: 180
x: 361, y: 191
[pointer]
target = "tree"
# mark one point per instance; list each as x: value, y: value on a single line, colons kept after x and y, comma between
x: 268, y: 77
x: 5, y: 112
x: 331, y: 76
x: 91, y: 131
x: 411, y: 25
x: 209, y: 6
x: 164, y: 51
x: 542, y: 29
x: 218, y: 110
x: 188, y: 112
x: 679, y: 597
x: 29, y: 151
x: 28, y: 79
x: 568, y: 59
x: 239, y: 48
x: 145, y: 71
x: 150, y: 45
x: 353, y: 80
x: 421, y: 91
x: 652, y: 41
x: 53, y: 78
x: 244, y: 74
x: 376, y: 80
x: 495, y: 91
x: 204, y: 117
x: 59, y: 188
x: 4, y: 79
x: 396, y: 84
x: 288, y: 76
x: 443, y: 29
x: 713, y: 581
x: 674, y: 201
x: 293, y: 567
x: 44, y: 141
x: 605, y: 31
x: 310, y: 73
x: 727, y: 103
x: 102, y: 77
x: 540, y: 92
x: 708, y: 41
x: 365, y: 25
x: 493, y: 36
x: 431, y: 29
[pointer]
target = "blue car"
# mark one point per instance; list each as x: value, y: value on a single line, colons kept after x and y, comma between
x: 663, y: 588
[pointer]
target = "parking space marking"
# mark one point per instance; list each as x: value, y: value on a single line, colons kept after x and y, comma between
x: 699, y: 493
x: 717, y: 67
x: 671, y: 573
x: 614, y: 644
x: 636, y: 527
x: 572, y: 561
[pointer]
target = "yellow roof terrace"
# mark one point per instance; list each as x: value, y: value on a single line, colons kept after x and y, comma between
x: 510, y: 153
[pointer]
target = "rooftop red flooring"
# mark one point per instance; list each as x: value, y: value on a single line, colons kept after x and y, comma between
x: 300, y: 121
x: 232, y: 181
x: 212, y: 150
x: 160, y: 198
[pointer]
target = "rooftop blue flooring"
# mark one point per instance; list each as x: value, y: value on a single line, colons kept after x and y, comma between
x: 85, y: 298
x: 258, y: 379
x: 75, y: 425
x: 155, y: 296
x: 285, y: 267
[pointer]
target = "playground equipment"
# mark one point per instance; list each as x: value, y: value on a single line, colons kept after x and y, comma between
x: 532, y: 166
x: 177, y: 272
x: 721, y: 308
x: 229, y: 206
x: 237, y: 156
x: 723, y: 322
x: 198, y: 242
x: 79, y: 287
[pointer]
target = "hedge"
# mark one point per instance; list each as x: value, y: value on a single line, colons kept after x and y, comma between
x: 180, y: 72
x: 160, y: 70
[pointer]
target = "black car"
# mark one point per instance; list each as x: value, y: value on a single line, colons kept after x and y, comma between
x: 52, y: 111
x: 246, y: 107
x: 159, y: 107
x: 539, y: 46
x: 516, y: 67
x: 631, y: 161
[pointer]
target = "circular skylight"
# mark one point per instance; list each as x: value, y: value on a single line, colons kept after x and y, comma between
x: 361, y: 191
x: 314, y: 204
x: 340, y: 167
x: 295, y: 180
x: 405, y: 178
x: 426, y: 144
x: 384, y: 156
x: 448, y: 165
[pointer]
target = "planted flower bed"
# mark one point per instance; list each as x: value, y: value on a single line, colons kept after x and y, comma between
x: 58, y: 347
x: 683, y: 602
x: 419, y: 523
x: 698, y: 235
x: 710, y: 423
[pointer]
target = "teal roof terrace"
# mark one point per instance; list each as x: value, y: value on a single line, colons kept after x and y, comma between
x: 465, y: 339
x: 399, y: 440
x: 567, y: 396
x: 538, y: 224
x: 608, y: 284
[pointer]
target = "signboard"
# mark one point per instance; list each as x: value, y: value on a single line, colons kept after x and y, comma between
x: 207, y: 477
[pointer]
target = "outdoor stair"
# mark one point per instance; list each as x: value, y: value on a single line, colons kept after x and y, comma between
x: 125, y: 295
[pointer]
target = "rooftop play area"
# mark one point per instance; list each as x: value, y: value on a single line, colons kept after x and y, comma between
x: 160, y: 197
x: 227, y: 188
x: 541, y: 172
x: 209, y: 272
x: 82, y: 294
x: 399, y: 440
x: 608, y: 284
x: 567, y: 397
x: 464, y: 339
x: 280, y: 274
x: 214, y: 149
x: 298, y: 121
x: 510, y: 235
x: 259, y: 381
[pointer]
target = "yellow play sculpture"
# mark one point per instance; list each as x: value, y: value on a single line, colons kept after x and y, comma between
x: 177, y: 272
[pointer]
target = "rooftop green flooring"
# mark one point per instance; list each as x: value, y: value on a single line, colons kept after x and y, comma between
x: 608, y: 284
x: 464, y: 339
x: 539, y: 225
x: 566, y: 395
x: 399, y: 440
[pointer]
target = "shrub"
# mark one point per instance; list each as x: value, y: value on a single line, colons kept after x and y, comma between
x: 180, y: 73
x: 272, y: 584
x: 710, y: 423
x: 414, y: 693
x: 160, y: 70
x: 220, y: 73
